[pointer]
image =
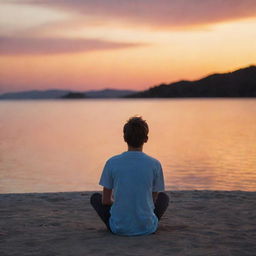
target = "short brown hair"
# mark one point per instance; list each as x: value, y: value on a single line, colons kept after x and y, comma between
x: 135, y: 131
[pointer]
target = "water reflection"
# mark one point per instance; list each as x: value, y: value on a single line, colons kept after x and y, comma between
x: 62, y: 146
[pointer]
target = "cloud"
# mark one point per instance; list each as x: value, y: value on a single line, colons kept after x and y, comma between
x: 27, y: 45
x: 160, y: 13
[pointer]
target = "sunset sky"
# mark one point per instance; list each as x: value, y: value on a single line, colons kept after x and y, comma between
x: 125, y: 44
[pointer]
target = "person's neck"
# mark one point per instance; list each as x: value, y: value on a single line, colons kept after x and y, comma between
x: 135, y: 149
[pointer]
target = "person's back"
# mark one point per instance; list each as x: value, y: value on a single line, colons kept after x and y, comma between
x: 133, y: 175
x: 134, y: 178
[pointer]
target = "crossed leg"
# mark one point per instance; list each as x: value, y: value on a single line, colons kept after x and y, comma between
x: 103, y: 211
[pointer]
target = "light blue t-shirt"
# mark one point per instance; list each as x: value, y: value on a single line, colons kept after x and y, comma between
x: 133, y: 176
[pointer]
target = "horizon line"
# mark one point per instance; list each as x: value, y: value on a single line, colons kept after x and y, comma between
x: 127, y: 89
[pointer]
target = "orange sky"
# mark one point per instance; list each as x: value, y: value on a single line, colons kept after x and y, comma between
x: 83, y: 45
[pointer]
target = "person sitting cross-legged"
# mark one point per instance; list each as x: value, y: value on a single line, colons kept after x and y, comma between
x: 135, y: 181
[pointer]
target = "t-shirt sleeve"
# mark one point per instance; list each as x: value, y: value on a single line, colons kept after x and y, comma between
x: 106, y: 179
x: 158, y: 183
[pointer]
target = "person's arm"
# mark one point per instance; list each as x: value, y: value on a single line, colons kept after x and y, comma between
x: 107, y: 196
x: 154, y: 195
x: 158, y: 183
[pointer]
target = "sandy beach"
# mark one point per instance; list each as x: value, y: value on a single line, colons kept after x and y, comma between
x: 196, y: 223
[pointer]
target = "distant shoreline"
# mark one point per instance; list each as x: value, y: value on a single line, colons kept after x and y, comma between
x: 240, y: 83
x: 126, y: 99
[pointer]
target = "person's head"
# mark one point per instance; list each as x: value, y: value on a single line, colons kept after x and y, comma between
x: 135, y: 132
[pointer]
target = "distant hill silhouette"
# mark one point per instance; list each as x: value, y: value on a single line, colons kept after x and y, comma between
x: 65, y: 94
x: 109, y: 93
x: 34, y: 94
x: 106, y: 93
x: 240, y: 83
x: 74, y: 95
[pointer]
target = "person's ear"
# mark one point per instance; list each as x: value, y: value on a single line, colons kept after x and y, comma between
x: 146, y: 139
x: 124, y: 139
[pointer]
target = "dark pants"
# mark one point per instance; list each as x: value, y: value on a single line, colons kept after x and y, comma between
x: 103, y: 211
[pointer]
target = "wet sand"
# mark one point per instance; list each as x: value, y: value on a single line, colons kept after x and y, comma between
x: 196, y: 223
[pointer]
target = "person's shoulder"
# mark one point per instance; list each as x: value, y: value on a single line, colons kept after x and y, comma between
x: 152, y: 159
x: 114, y: 158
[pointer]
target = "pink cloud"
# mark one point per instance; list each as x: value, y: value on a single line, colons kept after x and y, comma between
x: 27, y: 45
x: 167, y: 13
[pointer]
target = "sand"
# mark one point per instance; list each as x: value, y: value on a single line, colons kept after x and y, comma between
x: 196, y: 223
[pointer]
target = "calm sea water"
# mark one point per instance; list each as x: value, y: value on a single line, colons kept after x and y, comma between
x: 58, y: 145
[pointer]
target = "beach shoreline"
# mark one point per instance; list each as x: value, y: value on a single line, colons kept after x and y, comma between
x: 198, y: 222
